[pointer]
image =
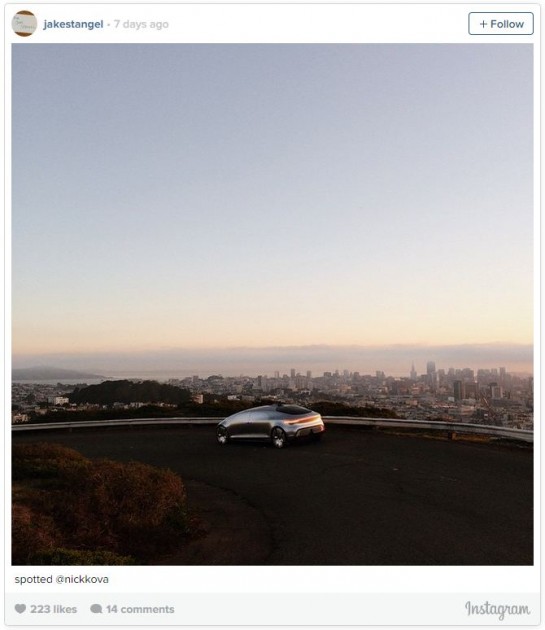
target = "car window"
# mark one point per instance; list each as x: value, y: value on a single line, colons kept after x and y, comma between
x: 292, y: 410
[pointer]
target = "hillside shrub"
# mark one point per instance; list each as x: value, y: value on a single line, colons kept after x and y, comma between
x: 32, y: 533
x: 83, y: 558
x: 65, y: 501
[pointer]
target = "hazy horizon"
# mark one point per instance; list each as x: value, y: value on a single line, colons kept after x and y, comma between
x: 227, y: 206
x: 395, y: 360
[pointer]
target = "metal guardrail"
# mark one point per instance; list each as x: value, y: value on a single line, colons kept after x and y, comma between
x: 420, y: 425
x: 425, y: 425
x: 113, y: 423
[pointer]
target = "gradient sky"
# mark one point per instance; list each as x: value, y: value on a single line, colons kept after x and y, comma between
x: 217, y: 196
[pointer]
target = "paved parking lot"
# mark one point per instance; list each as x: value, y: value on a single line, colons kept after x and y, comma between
x: 359, y: 497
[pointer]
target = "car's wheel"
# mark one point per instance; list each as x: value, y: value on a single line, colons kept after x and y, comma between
x: 278, y: 437
x: 317, y: 436
x: 221, y: 435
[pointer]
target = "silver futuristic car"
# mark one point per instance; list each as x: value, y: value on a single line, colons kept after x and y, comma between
x: 277, y: 423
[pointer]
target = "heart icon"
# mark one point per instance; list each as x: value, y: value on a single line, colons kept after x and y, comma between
x: 20, y: 608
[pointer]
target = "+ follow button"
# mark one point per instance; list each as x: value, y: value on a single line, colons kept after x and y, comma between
x: 519, y: 23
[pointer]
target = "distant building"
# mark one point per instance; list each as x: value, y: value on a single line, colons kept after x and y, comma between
x: 19, y: 418
x: 471, y: 390
x: 58, y: 400
x: 496, y: 392
x: 459, y: 390
x: 431, y: 374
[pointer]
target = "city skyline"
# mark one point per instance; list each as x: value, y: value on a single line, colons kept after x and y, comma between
x: 256, y: 203
x: 495, y: 396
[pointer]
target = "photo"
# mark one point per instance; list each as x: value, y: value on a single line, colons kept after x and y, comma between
x: 272, y: 304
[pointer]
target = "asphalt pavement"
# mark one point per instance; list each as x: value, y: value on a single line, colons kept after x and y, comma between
x: 358, y: 497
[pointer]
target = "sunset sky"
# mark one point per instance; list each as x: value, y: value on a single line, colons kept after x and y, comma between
x: 205, y: 197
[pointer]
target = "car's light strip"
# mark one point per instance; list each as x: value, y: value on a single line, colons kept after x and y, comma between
x: 303, y: 420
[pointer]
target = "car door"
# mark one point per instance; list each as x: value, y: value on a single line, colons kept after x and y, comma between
x: 245, y: 427
x: 239, y: 424
x: 261, y: 423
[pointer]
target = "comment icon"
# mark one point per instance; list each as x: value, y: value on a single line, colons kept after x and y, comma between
x: 96, y: 608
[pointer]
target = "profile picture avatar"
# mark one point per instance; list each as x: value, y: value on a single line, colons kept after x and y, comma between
x: 24, y: 23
